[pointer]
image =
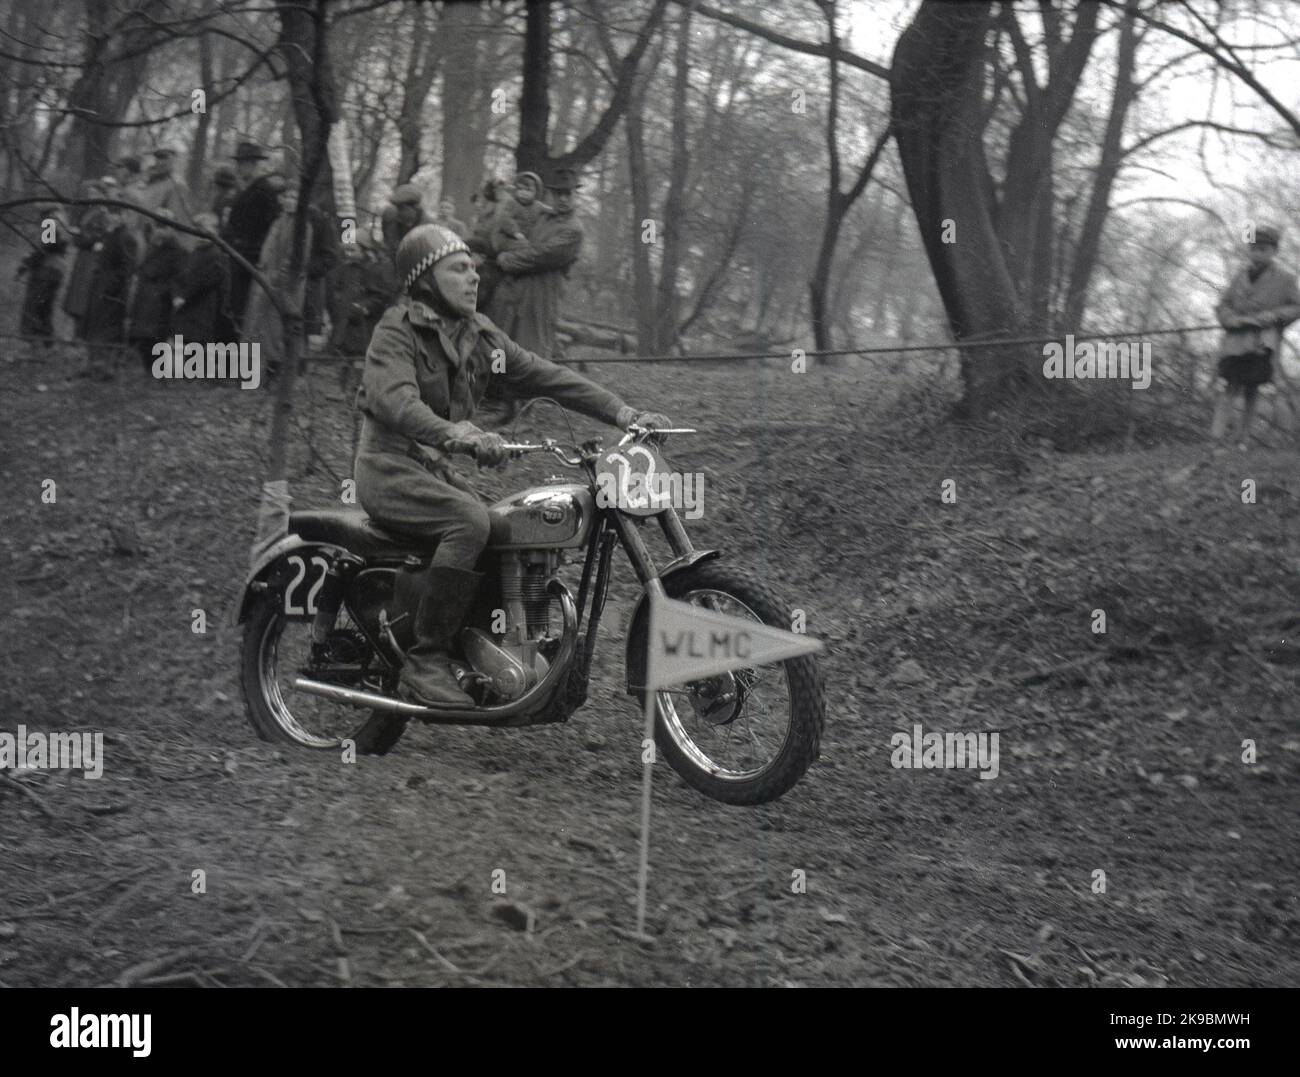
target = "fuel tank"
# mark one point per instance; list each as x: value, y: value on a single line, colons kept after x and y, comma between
x: 556, y: 516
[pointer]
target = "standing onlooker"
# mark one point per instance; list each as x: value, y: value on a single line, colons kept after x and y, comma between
x: 489, y: 202
x: 43, y: 269
x: 251, y: 213
x: 155, y: 282
x: 117, y: 252
x: 89, y: 230
x: 519, y: 213
x: 527, y: 302
x: 403, y: 212
x: 201, y: 304
x: 163, y: 191
x: 448, y: 219
x: 225, y: 186
x: 264, y: 324
x: 361, y: 289
x: 322, y: 256
x: 1260, y: 302
x: 130, y: 178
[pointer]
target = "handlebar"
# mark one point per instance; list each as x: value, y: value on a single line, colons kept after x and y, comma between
x: 549, y: 445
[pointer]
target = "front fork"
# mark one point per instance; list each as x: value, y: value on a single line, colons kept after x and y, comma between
x: 637, y: 552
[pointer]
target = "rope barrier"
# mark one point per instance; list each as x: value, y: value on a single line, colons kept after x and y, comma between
x: 902, y: 349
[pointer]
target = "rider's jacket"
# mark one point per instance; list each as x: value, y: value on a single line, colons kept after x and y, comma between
x: 426, y: 373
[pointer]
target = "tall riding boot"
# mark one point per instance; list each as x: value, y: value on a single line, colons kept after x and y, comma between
x: 426, y: 674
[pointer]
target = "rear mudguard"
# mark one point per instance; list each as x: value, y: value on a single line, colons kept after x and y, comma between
x: 265, y: 569
x: 642, y: 610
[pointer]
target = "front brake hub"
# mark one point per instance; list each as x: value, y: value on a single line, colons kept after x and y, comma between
x: 717, y: 700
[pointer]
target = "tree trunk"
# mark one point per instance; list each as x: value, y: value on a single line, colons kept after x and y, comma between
x: 106, y: 86
x: 421, y: 69
x: 304, y: 46
x: 466, y: 99
x: 194, y: 177
x: 665, y: 333
x: 1094, y: 221
x: 642, y: 275
x: 225, y: 115
x: 535, y: 101
x: 936, y: 94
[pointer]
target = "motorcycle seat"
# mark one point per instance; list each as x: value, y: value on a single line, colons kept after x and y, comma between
x: 357, y: 532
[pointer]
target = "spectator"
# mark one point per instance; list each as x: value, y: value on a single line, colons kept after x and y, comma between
x: 117, y: 252
x: 448, y: 219
x: 162, y: 191
x: 519, y: 213
x: 130, y: 179
x: 527, y: 301
x: 361, y: 288
x: 322, y: 256
x: 201, y: 305
x: 44, y: 269
x: 249, y: 218
x: 489, y: 202
x: 130, y: 187
x: 155, y: 281
x: 403, y: 212
x: 1261, y: 301
x: 89, y: 230
x: 264, y: 324
x: 225, y: 186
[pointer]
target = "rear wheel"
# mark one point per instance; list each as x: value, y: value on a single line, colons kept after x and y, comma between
x: 744, y: 737
x: 277, y: 648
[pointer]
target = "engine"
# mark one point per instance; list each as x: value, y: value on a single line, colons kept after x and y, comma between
x: 511, y: 661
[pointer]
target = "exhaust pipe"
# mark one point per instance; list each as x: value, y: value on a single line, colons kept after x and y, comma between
x: 452, y: 714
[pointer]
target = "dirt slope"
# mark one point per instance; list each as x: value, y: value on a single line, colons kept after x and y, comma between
x: 1119, y: 752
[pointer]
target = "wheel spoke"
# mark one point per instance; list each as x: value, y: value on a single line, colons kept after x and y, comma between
x: 714, y: 746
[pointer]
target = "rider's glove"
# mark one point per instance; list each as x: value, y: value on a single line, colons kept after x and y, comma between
x: 651, y: 420
x: 489, y: 448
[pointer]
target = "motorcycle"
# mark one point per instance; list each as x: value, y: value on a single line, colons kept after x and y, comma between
x: 328, y: 608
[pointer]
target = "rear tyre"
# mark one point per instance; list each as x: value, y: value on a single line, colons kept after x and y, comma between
x: 276, y: 649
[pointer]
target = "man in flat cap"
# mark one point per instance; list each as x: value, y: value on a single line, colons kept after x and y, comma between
x: 405, y: 210
x: 163, y: 191
x: 248, y: 220
x: 1261, y: 301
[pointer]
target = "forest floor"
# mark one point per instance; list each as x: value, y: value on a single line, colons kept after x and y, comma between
x: 1120, y: 752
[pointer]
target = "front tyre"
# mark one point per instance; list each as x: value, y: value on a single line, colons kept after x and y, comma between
x: 744, y: 737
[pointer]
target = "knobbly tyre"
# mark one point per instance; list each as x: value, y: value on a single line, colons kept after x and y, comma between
x: 327, y: 613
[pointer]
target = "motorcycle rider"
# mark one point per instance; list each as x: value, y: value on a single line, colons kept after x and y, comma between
x: 427, y: 367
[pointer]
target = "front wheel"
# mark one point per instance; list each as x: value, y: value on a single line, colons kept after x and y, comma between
x: 744, y: 737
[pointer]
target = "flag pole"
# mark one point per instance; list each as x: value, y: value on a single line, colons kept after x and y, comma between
x: 647, y: 771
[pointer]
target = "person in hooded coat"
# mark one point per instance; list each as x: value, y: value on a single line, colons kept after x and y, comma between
x: 361, y: 288
x: 89, y: 227
x: 44, y: 269
x: 201, y: 303
x: 117, y: 251
x: 429, y: 362
x: 527, y: 301
x: 151, y: 308
x: 263, y: 323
